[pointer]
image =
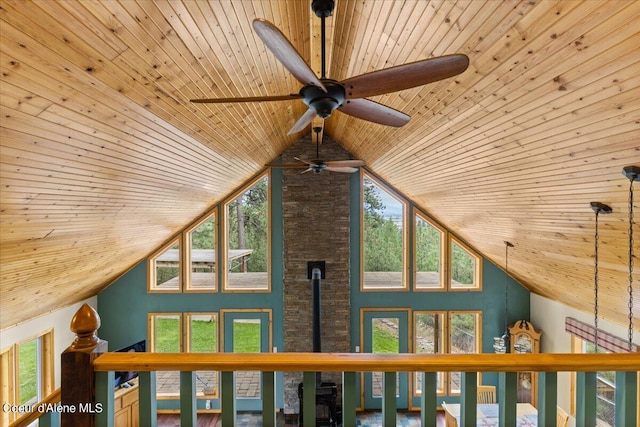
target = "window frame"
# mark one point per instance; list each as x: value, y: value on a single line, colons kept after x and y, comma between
x: 406, y: 264
x: 444, y: 250
x: 477, y: 274
x: 10, y: 371
x: 442, y: 384
x: 577, y: 346
x: 186, y: 338
x: 477, y: 339
x: 152, y: 267
x: 223, y: 239
x: 186, y: 265
x: 185, y: 342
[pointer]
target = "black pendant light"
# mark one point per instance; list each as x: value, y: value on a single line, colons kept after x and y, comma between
x: 502, y: 344
x: 633, y: 174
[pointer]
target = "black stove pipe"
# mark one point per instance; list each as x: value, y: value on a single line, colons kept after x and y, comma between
x: 316, y: 333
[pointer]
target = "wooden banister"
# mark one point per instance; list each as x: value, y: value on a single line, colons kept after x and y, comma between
x: 35, y: 413
x: 356, y: 362
x: 76, y: 362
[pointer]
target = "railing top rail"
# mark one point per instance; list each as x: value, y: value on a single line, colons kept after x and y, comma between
x: 35, y: 413
x: 356, y: 362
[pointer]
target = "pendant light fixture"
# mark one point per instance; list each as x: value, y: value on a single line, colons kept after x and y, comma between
x: 633, y: 174
x: 502, y: 344
x: 598, y: 208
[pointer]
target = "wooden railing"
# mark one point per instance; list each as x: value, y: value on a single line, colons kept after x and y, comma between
x: 41, y: 411
x: 626, y: 367
x: 88, y: 381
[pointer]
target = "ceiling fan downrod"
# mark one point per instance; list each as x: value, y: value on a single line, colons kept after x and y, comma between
x: 322, y: 9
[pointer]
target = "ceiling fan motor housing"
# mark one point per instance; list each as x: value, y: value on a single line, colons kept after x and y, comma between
x: 322, y: 8
x: 319, y: 166
x: 323, y: 102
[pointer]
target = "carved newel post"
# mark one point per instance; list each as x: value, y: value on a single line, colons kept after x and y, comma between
x: 77, y: 384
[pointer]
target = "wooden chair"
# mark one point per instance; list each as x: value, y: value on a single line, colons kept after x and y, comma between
x: 450, y: 420
x: 562, y: 419
x: 486, y: 394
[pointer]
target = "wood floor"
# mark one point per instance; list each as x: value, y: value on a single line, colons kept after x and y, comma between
x: 213, y: 420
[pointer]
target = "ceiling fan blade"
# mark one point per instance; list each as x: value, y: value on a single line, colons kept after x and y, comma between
x: 344, y: 163
x: 280, y: 46
x: 303, y: 121
x: 405, y: 76
x: 306, y: 170
x: 341, y: 169
x: 247, y: 99
x: 372, y: 111
x: 306, y: 162
x: 287, y: 165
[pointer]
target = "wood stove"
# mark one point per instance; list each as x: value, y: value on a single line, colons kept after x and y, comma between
x: 326, y: 392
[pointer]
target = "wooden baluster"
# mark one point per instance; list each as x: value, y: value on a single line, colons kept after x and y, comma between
x: 507, y: 398
x: 547, y: 399
x: 228, y: 398
x: 188, y: 409
x: 105, y: 394
x: 349, y: 398
x: 389, y: 399
x: 586, y: 383
x: 468, y: 398
x: 626, y: 399
x: 429, y: 399
x: 148, y: 405
x: 49, y: 419
x: 309, y: 399
x: 268, y: 399
x: 77, y: 379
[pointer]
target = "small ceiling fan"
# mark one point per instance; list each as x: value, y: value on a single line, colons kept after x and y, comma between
x: 317, y: 165
x: 325, y: 95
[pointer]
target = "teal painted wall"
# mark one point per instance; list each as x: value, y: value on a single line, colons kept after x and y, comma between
x: 490, y: 300
x: 123, y: 306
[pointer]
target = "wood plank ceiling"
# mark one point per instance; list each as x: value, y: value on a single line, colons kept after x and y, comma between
x: 103, y: 157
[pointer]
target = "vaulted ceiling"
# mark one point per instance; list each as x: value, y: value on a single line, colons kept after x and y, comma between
x: 103, y: 157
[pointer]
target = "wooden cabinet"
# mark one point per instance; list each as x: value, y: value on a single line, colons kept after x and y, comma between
x: 526, y: 339
x: 126, y: 406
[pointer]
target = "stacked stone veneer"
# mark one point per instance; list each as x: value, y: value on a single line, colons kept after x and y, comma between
x: 316, y: 228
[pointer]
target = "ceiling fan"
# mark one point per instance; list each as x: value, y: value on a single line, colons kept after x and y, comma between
x: 325, y: 95
x: 317, y: 165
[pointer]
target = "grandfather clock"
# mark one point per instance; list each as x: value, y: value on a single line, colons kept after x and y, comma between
x: 526, y: 339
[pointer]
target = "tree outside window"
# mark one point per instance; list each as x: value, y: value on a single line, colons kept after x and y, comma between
x: 428, y: 254
x: 383, y: 240
x: 464, y: 267
x: 248, y: 238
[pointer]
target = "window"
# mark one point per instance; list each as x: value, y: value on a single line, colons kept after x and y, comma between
x: 429, y: 254
x: 26, y: 373
x: 437, y: 332
x: 464, y: 338
x: 247, y: 238
x: 202, y: 337
x: 384, y: 239
x: 465, y: 267
x: 164, y: 269
x: 184, y: 332
x: 201, y: 255
x: 165, y: 334
x: 430, y: 338
x: 605, y: 386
